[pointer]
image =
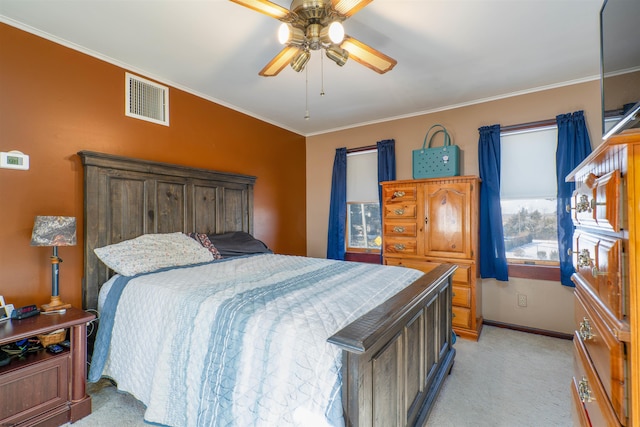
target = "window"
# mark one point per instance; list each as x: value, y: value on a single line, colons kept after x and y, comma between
x: 364, y: 228
x: 528, y: 190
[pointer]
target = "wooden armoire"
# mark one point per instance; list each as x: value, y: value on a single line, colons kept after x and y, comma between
x: 606, y: 255
x: 428, y: 222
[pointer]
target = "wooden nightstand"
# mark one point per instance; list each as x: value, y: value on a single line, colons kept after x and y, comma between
x: 45, y: 389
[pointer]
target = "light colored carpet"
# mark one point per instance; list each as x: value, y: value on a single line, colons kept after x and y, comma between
x: 507, y: 378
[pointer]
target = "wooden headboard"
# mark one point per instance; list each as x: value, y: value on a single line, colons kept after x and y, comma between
x: 125, y: 198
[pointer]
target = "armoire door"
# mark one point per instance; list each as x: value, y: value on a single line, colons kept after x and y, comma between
x: 447, y: 211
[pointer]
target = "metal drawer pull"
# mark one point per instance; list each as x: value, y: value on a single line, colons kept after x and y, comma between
x: 398, y: 194
x: 453, y: 294
x: 584, y: 392
x: 453, y: 315
x: 398, y: 229
x: 594, y: 204
x: 583, y: 205
x: 585, y: 330
x: 595, y: 272
x: 399, y: 246
x: 584, y: 258
x: 399, y: 211
x: 570, y: 252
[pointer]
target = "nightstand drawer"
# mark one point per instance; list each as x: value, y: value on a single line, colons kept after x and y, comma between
x: 49, y: 376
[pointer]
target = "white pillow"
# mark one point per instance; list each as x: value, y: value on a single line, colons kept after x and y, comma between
x: 151, y: 252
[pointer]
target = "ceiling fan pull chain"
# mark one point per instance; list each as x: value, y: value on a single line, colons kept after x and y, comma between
x: 306, y: 93
x: 321, y: 74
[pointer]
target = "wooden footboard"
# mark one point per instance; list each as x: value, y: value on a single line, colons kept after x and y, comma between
x: 397, y: 356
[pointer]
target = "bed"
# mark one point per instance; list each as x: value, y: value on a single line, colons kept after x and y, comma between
x: 388, y: 354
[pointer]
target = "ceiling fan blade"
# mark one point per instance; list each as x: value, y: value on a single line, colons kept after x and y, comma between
x: 348, y: 7
x: 281, y: 60
x: 264, y: 6
x: 368, y: 56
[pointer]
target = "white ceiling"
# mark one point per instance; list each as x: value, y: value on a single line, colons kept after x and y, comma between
x: 449, y: 52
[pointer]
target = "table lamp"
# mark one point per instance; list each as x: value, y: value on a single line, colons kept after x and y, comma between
x: 54, y: 231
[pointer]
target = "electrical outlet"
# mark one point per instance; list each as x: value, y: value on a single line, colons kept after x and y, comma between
x: 522, y: 300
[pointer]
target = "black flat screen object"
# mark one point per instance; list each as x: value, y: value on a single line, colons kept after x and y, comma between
x: 4, y: 358
x: 25, y: 312
x: 55, y: 348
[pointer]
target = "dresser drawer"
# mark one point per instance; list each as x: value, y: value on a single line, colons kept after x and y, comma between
x: 461, y: 317
x: 607, y: 201
x: 400, y: 210
x: 582, y: 206
x: 461, y: 296
x: 394, y: 194
x: 406, y: 229
x: 605, y: 352
x: 589, y: 390
x: 400, y: 246
x: 598, y: 261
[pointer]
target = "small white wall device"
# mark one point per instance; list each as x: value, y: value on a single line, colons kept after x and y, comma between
x: 14, y: 160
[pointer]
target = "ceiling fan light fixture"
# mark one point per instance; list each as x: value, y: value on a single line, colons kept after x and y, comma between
x: 332, y: 33
x: 300, y: 60
x: 337, y: 55
x: 288, y: 34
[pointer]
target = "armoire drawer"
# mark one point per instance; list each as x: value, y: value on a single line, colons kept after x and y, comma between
x: 598, y: 262
x: 461, y: 317
x: 400, y: 210
x: 461, y: 296
x: 589, y: 390
x: 461, y: 277
x: 605, y: 352
x: 393, y: 194
x: 399, y: 245
x: 399, y: 228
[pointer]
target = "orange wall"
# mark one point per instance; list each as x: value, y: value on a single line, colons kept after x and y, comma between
x: 55, y: 101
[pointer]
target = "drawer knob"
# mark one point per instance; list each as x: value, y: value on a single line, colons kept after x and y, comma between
x: 584, y: 258
x: 585, y: 330
x: 398, y: 194
x: 398, y: 229
x: 399, y: 211
x: 584, y: 392
x: 399, y: 246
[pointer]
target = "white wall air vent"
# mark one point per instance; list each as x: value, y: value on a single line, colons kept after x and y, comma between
x: 146, y: 100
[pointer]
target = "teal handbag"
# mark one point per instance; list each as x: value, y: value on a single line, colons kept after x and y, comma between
x: 436, y: 162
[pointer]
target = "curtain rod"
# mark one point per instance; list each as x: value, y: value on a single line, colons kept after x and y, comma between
x: 357, y: 150
x: 530, y: 125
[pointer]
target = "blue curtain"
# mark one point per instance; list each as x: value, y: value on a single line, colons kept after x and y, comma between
x: 386, y: 168
x: 493, y: 262
x: 338, y: 207
x: 386, y: 164
x: 574, y: 146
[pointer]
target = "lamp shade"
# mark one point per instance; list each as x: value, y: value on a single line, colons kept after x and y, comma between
x: 54, y: 231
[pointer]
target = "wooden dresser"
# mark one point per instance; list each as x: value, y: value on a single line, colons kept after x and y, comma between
x: 606, y: 255
x: 427, y: 222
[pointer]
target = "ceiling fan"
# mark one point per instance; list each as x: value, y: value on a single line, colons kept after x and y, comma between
x: 313, y: 25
